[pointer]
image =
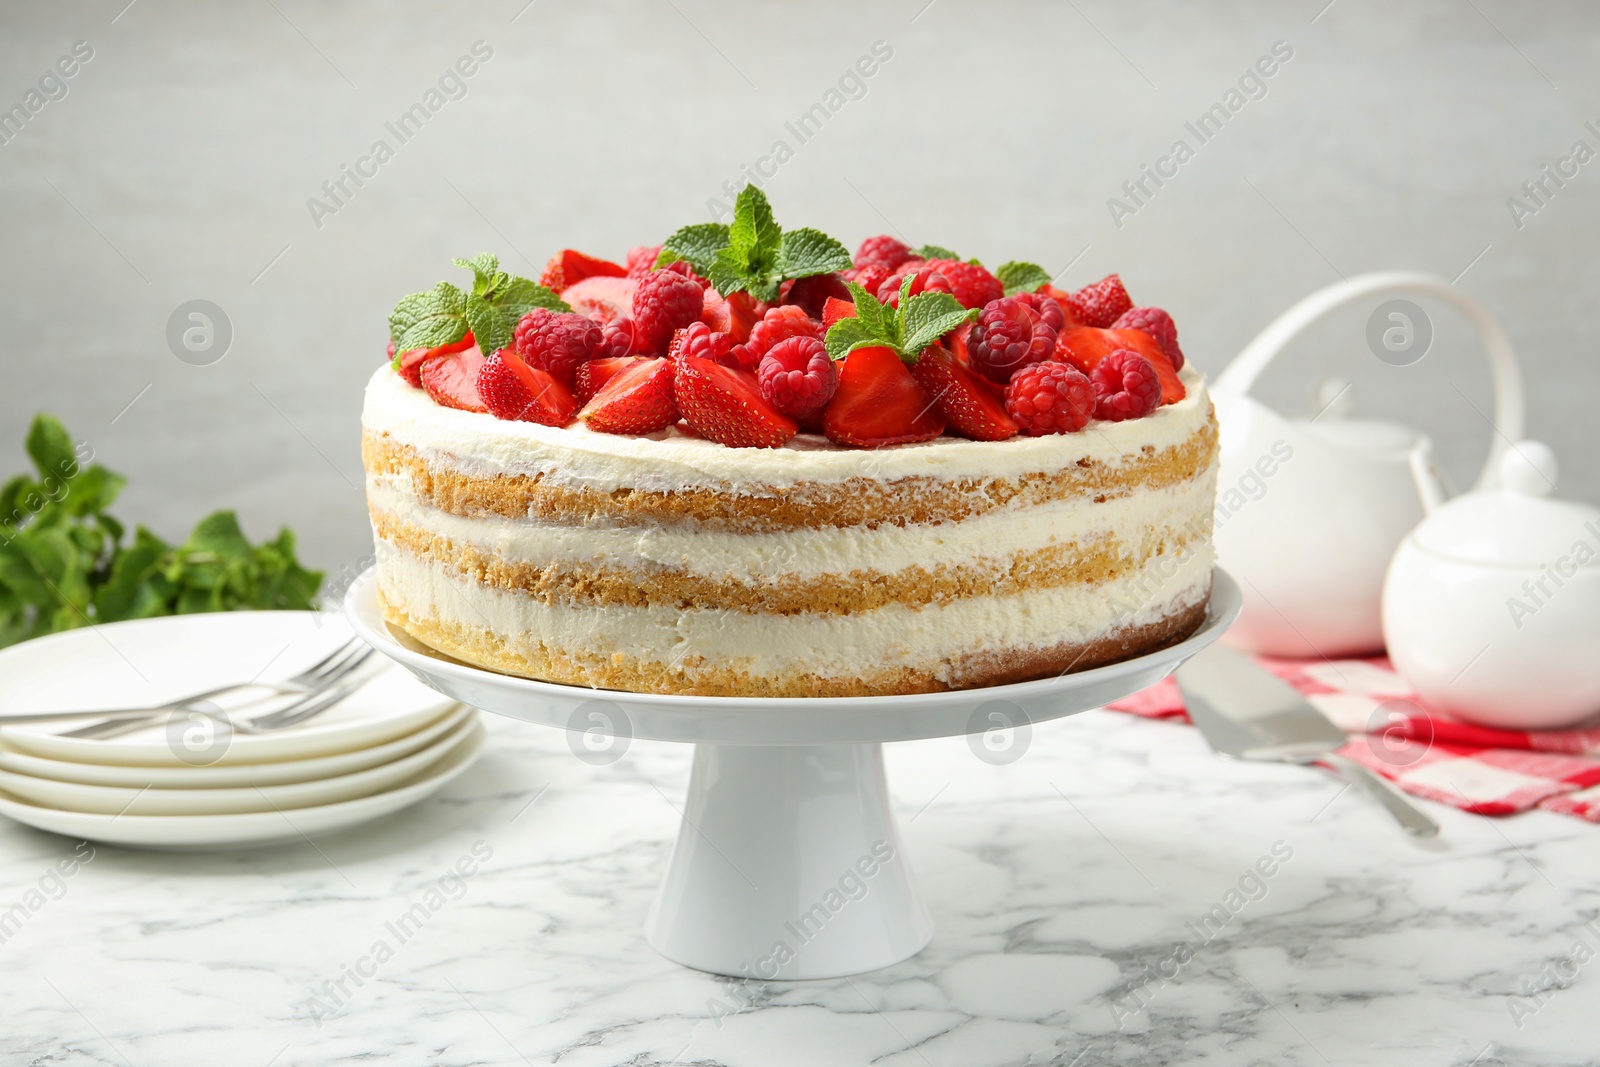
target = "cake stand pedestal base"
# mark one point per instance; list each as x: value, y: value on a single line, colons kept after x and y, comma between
x: 788, y: 866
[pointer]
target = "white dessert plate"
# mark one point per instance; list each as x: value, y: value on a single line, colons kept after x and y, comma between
x: 119, y: 800
x: 776, y: 720
x: 148, y: 661
x: 201, y: 833
x: 243, y: 774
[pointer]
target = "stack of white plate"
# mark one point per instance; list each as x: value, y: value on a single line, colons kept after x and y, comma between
x: 186, y: 782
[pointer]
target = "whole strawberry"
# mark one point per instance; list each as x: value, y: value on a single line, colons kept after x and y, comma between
x: 883, y: 251
x: 1125, y: 387
x: 970, y: 283
x: 797, y: 377
x: 1008, y: 336
x: 665, y: 301
x: 1157, y: 324
x: 1049, y: 398
x: 557, y: 342
x: 1100, y: 304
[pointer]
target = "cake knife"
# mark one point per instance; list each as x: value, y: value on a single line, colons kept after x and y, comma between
x: 1244, y: 711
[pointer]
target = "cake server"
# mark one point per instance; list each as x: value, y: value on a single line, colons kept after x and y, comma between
x: 1244, y: 711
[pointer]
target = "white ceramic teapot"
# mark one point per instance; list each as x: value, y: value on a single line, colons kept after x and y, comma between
x: 1310, y: 511
x: 1491, y: 608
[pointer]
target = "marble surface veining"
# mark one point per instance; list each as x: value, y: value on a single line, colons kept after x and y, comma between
x: 1104, y: 900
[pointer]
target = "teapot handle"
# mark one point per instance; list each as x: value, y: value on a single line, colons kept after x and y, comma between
x: 1241, y: 374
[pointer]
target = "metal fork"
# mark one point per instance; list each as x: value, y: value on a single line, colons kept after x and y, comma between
x: 323, y: 675
x: 298, y: 683
x: 312, y: 704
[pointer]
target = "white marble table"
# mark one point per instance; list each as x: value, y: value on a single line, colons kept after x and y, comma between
x: 1064, y: 887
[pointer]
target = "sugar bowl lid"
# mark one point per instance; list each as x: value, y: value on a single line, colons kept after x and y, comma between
x: 1517, y: 524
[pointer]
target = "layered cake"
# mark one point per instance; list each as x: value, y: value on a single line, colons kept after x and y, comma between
x: 747, y: 463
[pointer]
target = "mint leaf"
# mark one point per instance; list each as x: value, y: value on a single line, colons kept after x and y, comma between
x: 878, y: 316
x: 520, y: 296
x: 1021, y: 277
x: 218, y: 535
x: 485, y: 270
x: 805, y: 252
x: 492, y: 327
x: 927, y: 317
x: 51, y: 449
x: 427, y: 320
x: 847, y: 335
x: 754, y: 232
x: 697, y: 244
x: 933, y: 252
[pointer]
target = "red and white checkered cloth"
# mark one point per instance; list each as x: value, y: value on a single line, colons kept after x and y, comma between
x: 1474, y: 768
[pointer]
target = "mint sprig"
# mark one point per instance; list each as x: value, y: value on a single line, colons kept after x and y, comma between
x: 918, y: 322
x: 933, y: 252
x: 753, y: 254
x: 64, y: 563
x: 491, y: 309
x: 1021, y: 277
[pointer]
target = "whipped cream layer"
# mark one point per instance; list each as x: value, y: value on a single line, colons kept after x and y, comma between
x: 829, y: 646
x: 484, y: 446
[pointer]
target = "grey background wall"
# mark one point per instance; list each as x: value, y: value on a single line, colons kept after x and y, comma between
x: 179, y: 163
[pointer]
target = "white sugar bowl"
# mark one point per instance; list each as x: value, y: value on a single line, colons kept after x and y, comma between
x: 1491, y: 605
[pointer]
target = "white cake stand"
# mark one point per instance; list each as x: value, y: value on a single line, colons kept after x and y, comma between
x: 788, y: 864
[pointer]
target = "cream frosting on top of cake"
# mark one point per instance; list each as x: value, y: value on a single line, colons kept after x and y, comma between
x: 480, y: 444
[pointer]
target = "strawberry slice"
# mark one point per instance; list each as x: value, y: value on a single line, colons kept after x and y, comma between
x: 1085, y: 346
x: 452, y: 379
x: 715, y: 312
x: 638, y: 400
x: 515, y: 391
x: 879, y: 403
x: 410, y: 367
x: 569, y: 267
x: 593, y: 375
x: 744, y: 311
x: 602, y: 297
x: 972, y: 406
x: 726, y: 405
x: 834, y: 309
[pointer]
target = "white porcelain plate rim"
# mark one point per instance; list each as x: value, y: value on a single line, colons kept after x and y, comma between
x: 775, y: 720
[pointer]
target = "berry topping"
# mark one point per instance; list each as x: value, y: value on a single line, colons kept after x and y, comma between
x: 702, y: 342
x: 923, y: 280
x: 1047, y: 308
x: 881, y: 251
x: 1008, y: 336
x: 797, y: 377
x: 451, y: 379
x: 871, y: 277
x: 725, y: 405
x: 971, y: 283
x: 593, y: 375
x: 642, y: 260
x: 665, y: 301
x: 1084, y: 347
x: 1100, y: 304
x: 879, y: 403
x: 834, y: 310
x: 810, y: 293
x: 513, y: 390
x: 601, y: 298
x: 1157, y: 324
x: 409, y: 365
x: 568, y: 267
x: 616, y: 339
x: 972, y: 407
x: 636, y: 401
x: 557, y: 342
x: 1125, y: 387
x: 744, y: 311
x: 779, y: 323
x: 1050, y: 398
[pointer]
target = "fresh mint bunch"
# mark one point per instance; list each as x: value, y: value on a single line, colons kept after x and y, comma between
x: 918, y: 322
x: 63, y: 563
x: 1020, y: 277
x: 753, y: 254
x: 491, y: 309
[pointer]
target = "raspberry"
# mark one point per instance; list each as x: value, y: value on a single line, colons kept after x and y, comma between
x: 784, y: 321
x: 1125, y: 387
x: 698, y: 339
x: 1046, y: 308
x: 797, y: 377
x: 556, y: 342
x: 665, y: 301
x: 1050, y: 397
x: 681, y: 266
x: 1100, y: 304
x: 971, y: 283
x: 872, y: 276
x: 642, y: 260
x: 1008, y: 336
x: 617, y: 338
x: 1159, y: 325
x: 884, y: 251
x: 924, y: 280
